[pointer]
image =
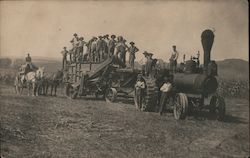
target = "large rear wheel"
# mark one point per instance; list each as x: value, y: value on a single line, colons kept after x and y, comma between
x: 218, y: 107
x: 180, y: 106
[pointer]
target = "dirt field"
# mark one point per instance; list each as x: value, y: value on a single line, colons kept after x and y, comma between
x: 59, y: 127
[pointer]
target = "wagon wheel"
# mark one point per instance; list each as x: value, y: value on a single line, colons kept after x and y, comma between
x: 71, y: 92
x: 147, y: 99
x: 218, y: 106
x: 110, y: 95
x: 180, y: 106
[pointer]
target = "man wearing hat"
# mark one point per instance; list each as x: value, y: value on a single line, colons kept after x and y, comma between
x: 75, y: 40
x: 106, y: 40
x: 74, y: 50
x: 148, y: 68
x: 120, y: 51
x: 111, y: 45
x: 80, y: 46
x: 93, y: 54
x: 165, y: 90
x: 75, y: 44
x: 64, y: 53
x: 139, y: 88
x: 124, y: 51
x: 29, y: 64
x: 144, y: 61
x: 88, y: 45
x: 100, y: 48
x: 71, y: 51
x: 173, y: 59
x: 132, y: 50
x: 28, y: 59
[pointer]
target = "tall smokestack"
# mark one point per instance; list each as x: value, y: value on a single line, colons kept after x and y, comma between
x: 207, y: 40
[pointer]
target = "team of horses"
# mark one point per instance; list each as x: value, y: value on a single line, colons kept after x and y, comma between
x: 37, y: 82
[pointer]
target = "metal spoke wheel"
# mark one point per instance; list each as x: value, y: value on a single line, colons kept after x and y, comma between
x: 218, y: 107
x: 110, y: 95
x: 180, y: 106
x: 71, y: 92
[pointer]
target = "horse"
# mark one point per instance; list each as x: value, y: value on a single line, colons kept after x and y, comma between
x: 31, y: 80
x: 53, y: 82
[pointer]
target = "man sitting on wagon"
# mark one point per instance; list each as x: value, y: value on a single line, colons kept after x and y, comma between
x: 29, y: 66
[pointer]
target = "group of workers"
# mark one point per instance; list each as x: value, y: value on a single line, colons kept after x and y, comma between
x: 99, y: 49
x: 166, y: 86
x: 103, y: 47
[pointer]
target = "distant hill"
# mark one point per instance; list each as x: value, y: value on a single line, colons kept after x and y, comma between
x: 233, y: 69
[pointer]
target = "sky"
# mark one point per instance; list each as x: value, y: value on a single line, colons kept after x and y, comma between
x: 42, y: 28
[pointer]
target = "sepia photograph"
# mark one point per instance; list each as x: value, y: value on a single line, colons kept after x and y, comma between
x: 124, y: 79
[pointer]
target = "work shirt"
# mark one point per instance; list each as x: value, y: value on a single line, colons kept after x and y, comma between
x: 166, y: 87
x: 121, y: 48
x: 101, y: 44
x: 132, y: 50
x: 111, y: 44
x: 93, y: 46
x: 81, y: 43
x: 64, y: 53
x: 175, y: 55
x: 106, y: 40
x: 75, y: 41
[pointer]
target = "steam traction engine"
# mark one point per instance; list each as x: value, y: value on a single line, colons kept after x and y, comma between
x: 194, y: 86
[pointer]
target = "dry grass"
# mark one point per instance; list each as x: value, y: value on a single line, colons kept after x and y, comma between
x: 59, y: 127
